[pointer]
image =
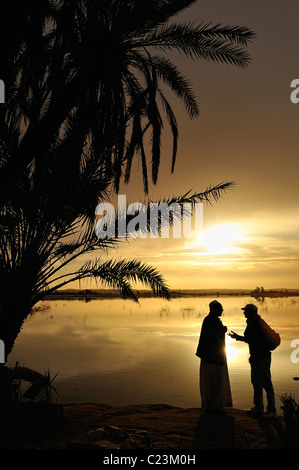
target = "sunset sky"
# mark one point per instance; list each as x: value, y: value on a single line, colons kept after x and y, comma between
x: 247, y: 133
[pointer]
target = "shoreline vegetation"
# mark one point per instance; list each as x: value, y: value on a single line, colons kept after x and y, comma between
x: 92, y: 294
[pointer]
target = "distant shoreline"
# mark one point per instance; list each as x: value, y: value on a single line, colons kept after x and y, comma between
x: 93, y: 294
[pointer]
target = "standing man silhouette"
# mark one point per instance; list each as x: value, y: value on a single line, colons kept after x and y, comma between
x: 213, y: 374
x: 260, y: 362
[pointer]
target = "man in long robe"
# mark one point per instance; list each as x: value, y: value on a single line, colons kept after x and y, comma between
x: 213, y: 374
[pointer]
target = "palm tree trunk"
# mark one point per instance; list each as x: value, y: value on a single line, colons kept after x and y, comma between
x: 12, y: 317
x: 9, y: 333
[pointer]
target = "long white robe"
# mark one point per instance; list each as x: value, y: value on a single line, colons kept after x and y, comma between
x: 214, y: 386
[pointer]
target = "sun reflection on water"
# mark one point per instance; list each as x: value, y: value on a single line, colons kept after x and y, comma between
x: 232, y: 352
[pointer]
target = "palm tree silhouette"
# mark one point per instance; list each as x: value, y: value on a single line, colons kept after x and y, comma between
x: 85, y: 85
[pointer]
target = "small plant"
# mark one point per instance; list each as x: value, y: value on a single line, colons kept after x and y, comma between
x: 41, y: 388
x: 290, y: 411
x: 12, y: 385
x: 46, y: 393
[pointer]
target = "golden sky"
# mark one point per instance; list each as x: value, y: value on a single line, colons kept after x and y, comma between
x: 247, y: 133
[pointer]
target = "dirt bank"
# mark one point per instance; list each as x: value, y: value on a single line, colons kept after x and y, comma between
x: 158, y: 426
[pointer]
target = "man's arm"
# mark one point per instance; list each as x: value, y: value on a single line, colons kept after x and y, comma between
x: 237, y: 337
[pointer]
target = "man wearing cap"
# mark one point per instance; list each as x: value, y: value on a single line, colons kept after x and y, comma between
x: 260, y: 362
x: 213, y: 374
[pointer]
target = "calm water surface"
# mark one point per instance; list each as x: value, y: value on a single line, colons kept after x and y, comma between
x: 120, y: 353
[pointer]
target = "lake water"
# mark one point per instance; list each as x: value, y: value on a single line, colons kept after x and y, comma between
x: 118, y: 352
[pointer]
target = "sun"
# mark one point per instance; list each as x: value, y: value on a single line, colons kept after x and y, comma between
x: 222, y: 238
x: 222, y: 242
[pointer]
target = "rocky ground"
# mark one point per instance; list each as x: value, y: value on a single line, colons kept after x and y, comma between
x: 100, y: 426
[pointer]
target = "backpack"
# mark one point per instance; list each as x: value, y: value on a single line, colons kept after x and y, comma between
x: 273, y: 338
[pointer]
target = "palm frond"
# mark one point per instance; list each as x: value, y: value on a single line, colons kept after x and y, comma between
x: 174, y: 128
x: 216, y: 43
x: 210, y: 194
x: 118, y: 275
x: 236, y: 34
x: 154, y: 220
x: 177, y: 83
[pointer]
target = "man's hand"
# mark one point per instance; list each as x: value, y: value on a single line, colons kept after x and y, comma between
x: 234, y: 335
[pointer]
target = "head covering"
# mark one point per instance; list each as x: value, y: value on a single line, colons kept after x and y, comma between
x: 251, y: 307
x: 215, y: 305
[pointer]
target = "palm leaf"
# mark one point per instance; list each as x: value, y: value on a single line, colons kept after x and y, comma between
x: 117, y: 275
x: 217, y: 43
x: 154, y: 220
